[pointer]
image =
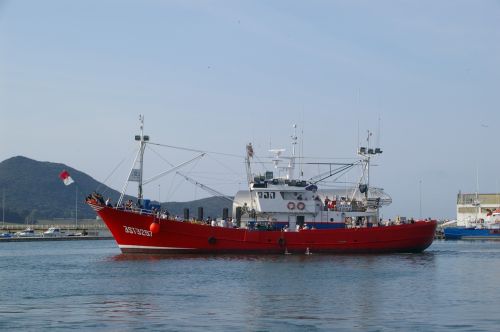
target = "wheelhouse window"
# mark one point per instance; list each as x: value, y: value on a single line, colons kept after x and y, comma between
x: 266, y: 194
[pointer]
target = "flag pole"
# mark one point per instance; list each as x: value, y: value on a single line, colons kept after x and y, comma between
x: 76, y: 207
x: 66, y: 178
x: 3, y: 207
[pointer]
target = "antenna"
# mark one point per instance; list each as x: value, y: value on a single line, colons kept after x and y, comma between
x: 291, y: 163
x: 358, y: 93
x: 294, y: 139
x: 358, y: 136
x: 301, y: 151
x: 477, y: 179
x: 476, y: 201
x: 420, y: 198
x: 378, y: 134
x: 498, y: 196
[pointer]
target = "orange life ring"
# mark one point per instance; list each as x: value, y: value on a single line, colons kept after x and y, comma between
x: 301, y: 206
x: 290, y: 205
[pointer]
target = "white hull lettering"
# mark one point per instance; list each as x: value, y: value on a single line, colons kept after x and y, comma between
x: 138, y: 231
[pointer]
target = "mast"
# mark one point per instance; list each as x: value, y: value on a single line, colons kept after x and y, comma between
x: 366, y: 152
x: 142, y: 146
x: 136, y: 174
x: 291, y: 164
x: 368, y: 163
x: 278, y: 158
x: 249, y: 173
x: 249, y: 155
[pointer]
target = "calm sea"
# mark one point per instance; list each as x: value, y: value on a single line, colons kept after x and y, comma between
x: 89, y: 285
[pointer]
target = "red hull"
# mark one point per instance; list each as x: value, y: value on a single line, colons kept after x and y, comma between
x: 131, y: 232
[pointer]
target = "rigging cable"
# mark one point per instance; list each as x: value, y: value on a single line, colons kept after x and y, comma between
x: 171, y: 190
x: 197, y: 150
x: 223, y: 165
x: 184, y: 177
x: 111, y: 174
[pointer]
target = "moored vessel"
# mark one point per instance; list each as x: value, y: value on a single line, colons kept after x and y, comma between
x: 53, y: 232
x: 28, y: 232
x: 481, y: 229
x: 279, y: 213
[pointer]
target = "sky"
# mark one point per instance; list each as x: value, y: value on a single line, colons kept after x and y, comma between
x: 423, y: 76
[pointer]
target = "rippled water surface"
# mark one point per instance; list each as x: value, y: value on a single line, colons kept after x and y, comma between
x: 87, y: 285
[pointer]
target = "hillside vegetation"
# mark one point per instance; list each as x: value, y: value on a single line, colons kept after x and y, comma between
x: 33, y: 190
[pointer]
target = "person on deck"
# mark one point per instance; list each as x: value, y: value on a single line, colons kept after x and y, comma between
x: 327, y: 201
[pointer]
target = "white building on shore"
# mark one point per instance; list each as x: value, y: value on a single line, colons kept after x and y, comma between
x: 475, y: 206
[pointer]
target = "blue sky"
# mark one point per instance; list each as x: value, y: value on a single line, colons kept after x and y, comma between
x: 215, y: 75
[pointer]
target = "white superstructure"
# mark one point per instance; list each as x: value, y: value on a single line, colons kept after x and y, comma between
x: 283, y: 201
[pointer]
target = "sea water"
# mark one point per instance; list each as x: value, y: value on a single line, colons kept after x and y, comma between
x: 90, y: 285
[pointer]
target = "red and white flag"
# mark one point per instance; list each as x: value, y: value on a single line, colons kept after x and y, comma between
x: 66, y: 178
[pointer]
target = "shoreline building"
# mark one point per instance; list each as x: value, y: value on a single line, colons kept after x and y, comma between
x: 475, y: 206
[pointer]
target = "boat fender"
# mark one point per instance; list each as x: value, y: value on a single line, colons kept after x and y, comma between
x: 281, y: 242
x: 154, y: 227
x: 301, y: 206
x: 212, y: 240
x: 290, y: 205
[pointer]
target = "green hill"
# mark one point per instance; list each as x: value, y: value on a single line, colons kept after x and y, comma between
x: 33, y: 190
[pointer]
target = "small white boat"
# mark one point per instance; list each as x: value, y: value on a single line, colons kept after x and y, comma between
x: 28, y: 232
x: 53, y: 232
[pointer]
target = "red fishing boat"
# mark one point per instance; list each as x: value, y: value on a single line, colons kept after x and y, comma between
x: 277, y: 214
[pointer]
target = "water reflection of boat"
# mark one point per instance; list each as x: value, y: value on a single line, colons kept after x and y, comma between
x: 278, y: 214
